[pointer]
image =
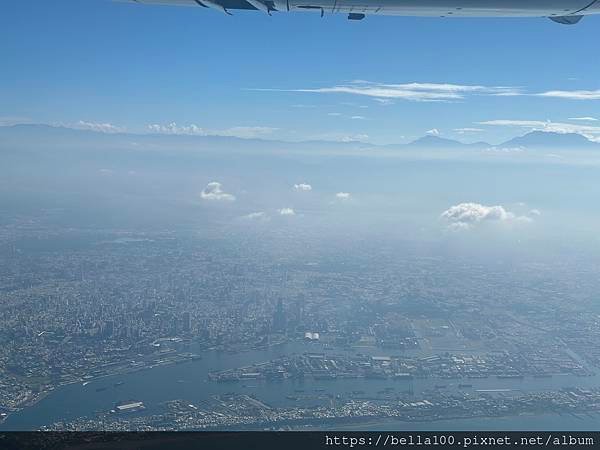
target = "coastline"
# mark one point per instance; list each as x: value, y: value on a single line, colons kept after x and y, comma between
x: 213, y: 358
x: 85, y: 381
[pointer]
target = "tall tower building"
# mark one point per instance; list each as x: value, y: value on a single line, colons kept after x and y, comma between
x: 279, y: 320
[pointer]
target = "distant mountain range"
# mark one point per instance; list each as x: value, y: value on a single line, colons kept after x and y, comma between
x: 543, y: 139
x: 436, y: 142
x: 53, y: 136
x: 534, y: 139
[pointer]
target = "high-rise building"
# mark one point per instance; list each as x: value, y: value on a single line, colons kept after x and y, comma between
x: 109, y: 328
x: 279, y: 320
x: 187, y: 322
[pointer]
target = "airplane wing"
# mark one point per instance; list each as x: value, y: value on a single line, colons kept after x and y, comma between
x: 219, y: 5
x: 567, y: 12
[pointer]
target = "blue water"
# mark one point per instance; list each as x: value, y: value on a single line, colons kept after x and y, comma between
x: 188, y: 381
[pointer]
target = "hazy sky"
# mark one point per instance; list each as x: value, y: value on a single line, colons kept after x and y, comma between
x: 530, y: 198
x: 115, y: 66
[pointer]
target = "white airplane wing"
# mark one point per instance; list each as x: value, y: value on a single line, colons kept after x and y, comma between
x: 566, y: 12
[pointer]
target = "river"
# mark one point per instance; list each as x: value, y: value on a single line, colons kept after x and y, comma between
x: 188, y: 381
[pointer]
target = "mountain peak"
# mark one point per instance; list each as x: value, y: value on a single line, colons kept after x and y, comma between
x: 435, y: 141
x: 540, y: 138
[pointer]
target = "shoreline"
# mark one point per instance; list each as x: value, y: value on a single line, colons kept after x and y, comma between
x: 45, y: 393
x: 194, y: 357
x: 190, y: 357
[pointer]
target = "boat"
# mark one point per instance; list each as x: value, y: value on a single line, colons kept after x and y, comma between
x: 403, y: 376
x: 129, y: 406
x: 324, y: 376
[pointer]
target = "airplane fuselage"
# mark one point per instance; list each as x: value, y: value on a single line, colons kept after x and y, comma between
x: 562, y: 11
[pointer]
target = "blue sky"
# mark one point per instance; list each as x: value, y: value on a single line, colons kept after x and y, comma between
x: 116, y: 66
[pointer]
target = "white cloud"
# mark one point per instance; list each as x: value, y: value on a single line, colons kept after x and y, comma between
x: 245, y: 132
x: 214, y: 192
x: 465, y: 216
x: 535, y: 212
x: 468, y: 130
x: 343, y: 195
x: 8, y: 121
x: 287, y: 212
x: 302, y: 187
x: 589, y: 131
x: 433, y: 132
x: 194, y: 130
x: 386, y: 93
x: 584, y: 119
x: 257, y: 216
x: 408, y: 91
x: 97, y: 126
x: 572, y: 95
x: 337, y: 114
x: 173, y: 128
x: 353, y: 138
x: 516, y: 123
x: 510, y: 92
x: 100, y: 127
